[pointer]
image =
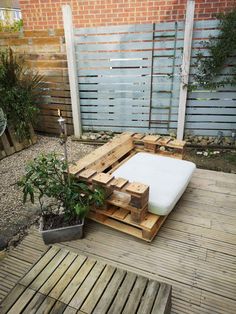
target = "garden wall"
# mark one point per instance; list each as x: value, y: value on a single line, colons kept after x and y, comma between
x: 44, y: 14
x: 45, y: 52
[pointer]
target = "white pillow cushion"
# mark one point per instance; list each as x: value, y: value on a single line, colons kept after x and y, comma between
x: 167, y: 178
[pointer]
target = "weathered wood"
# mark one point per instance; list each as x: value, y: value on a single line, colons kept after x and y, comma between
x: 162, y: 303
x: 96, y: 287
x: 135, y: 296
x: 76, y: 282
x: 104, y: 156
x: 98, y: 290
x: 10, y: 144
x: 188, y: 33
x: 123, y: 293
x: 57, y: 274
x: 66, y: 278
x: 84, y: 291
x: 39, y: 267
x: 72, y: 70
x: 107, y: 297
x: 196, y: 259
x: 148, y: 299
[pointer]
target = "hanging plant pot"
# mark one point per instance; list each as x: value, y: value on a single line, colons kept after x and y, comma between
x: 61, y: 234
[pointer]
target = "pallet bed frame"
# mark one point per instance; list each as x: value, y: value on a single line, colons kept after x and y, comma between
x: 126, y: 207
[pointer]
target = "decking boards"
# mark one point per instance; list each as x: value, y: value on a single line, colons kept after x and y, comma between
x: 64, y: 281
x: 195, y: 250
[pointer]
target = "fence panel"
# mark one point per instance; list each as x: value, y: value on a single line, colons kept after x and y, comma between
x: 209, y: 112
x: 128, y: 76
x: 129, y: 79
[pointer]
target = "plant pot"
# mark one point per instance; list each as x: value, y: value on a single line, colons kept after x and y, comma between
x: 61, y: 234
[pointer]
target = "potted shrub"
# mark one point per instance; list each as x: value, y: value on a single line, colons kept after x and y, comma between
x: 64, y: 201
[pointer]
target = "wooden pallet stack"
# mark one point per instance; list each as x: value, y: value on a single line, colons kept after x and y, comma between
x: 126, y: 207
x: 166, y: 146
x: 9, y: 144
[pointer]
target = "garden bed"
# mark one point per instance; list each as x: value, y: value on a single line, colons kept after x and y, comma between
x: 212, y: 159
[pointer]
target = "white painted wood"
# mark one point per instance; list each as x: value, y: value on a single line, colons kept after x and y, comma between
x: 72, y: 70
x: 188, y: 34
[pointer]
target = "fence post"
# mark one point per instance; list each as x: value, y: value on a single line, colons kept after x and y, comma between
x: 72, y: 69
x: 188, y: 34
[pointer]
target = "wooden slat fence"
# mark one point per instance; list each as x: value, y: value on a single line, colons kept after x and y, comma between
x: 210, y: 111
x: 129, y: 78
x: 45, y: 52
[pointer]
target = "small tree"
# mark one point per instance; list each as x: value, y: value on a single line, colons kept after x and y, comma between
x: 46, y: 177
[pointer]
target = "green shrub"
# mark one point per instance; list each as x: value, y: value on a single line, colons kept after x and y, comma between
x: 46, y: 178
x: 20, y: 89
x: 221, y: 49
x: 9, y: 26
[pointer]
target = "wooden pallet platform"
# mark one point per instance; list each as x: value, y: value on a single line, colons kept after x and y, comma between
x: 120, y: 219
x: 97, y: 168
x: 9, y: 144
x: 64, y: 282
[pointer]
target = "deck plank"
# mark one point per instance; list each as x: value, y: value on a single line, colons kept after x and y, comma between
x: 194, y: 251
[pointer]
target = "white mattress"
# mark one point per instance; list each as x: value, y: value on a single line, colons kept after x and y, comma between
x: 167, y: 178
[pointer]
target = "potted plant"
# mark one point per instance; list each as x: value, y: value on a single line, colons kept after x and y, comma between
x: 64, y: 201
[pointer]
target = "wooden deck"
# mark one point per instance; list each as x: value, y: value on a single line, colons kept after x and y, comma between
x: 195, y: 250
x: 65, y: 282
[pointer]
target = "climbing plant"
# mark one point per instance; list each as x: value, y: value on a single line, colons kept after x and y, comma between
x: 222, y: 54
x: 20, y: 89
x: 9, y: 26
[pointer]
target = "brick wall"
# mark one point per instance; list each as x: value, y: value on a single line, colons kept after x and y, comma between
x: 44, y: 14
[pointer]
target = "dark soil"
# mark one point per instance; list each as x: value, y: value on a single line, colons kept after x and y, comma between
x: 224, y: 161
x: 53, y: 221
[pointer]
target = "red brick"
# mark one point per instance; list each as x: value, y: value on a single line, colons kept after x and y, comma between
x: 42, y: 14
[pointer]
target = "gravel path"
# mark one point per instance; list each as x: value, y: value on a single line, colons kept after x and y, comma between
x: 15, y: 216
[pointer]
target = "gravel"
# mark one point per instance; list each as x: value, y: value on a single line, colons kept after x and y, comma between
x: 15, y: 216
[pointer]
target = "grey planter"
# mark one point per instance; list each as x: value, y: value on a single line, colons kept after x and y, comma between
x: 61, y: 234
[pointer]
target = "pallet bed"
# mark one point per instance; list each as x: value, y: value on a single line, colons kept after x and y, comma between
x: 126, y: 207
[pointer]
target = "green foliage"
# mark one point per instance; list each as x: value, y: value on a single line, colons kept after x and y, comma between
x: 9, y: 26
x: 19, y: 90
x: 221, y: 48
x: 46, y: 177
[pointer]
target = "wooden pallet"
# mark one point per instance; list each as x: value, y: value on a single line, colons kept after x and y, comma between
x: 157, y: 144
x: 120, y: 219
x: 9, y: 144
x: 65, y: 282
x: 127, y: 202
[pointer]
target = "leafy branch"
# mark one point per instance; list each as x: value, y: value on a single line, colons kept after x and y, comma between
x: 222, y: 49
x: 46, y: 178
x: 20, y: 89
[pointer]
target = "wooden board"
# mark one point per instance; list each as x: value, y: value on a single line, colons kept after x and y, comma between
x: 94, y: 287
x: 120, y: 219
x: 162, y: 145
x: 195, y: 251
x: 106, y: 155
